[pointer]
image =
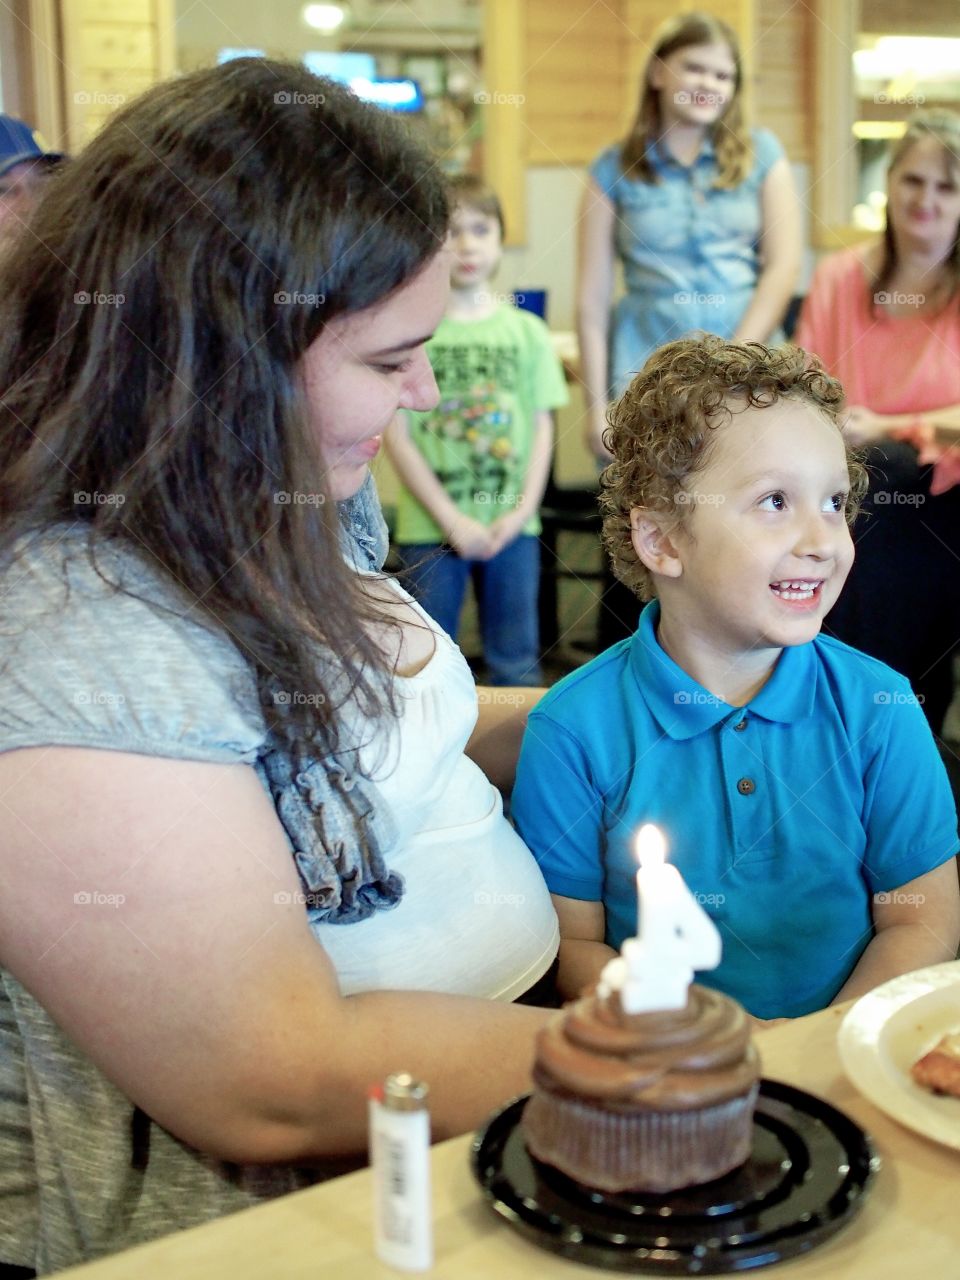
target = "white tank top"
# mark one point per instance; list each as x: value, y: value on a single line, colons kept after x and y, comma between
x: 476, y: 916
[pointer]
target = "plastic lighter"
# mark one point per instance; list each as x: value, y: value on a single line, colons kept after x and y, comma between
x: 400, y: 1156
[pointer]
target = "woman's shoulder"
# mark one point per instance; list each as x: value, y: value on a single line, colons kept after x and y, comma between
x: 606, y: 169
x: 847, y: 268
x: 99, y: 648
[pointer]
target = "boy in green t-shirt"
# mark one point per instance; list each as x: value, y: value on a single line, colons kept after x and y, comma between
x: 474, y: 469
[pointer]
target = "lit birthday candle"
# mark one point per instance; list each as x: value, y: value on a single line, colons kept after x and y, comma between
x: 675, y: 936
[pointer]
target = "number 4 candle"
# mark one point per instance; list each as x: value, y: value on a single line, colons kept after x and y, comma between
x: 675, y: 936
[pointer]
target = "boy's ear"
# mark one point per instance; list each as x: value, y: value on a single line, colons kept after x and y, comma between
x: 653, y: 545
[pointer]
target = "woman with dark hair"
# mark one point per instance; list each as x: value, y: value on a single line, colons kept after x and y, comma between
x: 885, y: 319
x: 249, y: 853
x: 702, y: 215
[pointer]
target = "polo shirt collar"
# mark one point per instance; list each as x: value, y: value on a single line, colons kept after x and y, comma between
x: 683, y: 708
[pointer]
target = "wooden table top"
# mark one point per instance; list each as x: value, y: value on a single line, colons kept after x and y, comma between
x: 909, y: 1222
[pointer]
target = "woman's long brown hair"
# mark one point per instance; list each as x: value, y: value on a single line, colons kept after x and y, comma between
x: 728, y: 134
x: 154, y: 314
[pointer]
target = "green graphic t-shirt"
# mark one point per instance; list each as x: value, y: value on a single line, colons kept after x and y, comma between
x: 494, y: 375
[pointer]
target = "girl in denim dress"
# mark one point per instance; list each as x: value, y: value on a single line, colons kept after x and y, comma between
x: 700, y: 211
x: 702, y: 215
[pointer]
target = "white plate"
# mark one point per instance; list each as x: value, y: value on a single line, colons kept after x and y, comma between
x: 885, y: 1033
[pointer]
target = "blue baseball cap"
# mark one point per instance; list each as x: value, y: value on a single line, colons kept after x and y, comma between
x: 19, y: 143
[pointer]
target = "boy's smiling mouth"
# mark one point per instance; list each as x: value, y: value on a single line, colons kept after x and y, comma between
x: 799, y: 590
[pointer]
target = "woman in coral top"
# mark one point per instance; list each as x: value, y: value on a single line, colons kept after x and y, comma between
x: 885, y: 319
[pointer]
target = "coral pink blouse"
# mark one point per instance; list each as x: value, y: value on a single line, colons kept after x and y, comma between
x: 908, y: 363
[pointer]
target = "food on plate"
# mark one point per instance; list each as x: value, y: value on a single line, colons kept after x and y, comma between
x: 939, y: 1069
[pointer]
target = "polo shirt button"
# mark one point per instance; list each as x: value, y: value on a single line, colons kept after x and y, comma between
x: 746, y: 786
x: 741, y: 725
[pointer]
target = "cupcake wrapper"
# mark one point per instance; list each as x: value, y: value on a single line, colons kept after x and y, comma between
x: 639, y: 1150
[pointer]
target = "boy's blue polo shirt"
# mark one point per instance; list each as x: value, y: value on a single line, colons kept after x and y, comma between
x: 785, y: 816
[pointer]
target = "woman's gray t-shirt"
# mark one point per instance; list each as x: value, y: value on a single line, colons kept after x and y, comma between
x: 83, y: 1172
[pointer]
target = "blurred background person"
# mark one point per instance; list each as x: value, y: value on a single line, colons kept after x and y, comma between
x: 25, y: 165
x: 885, y: 319
x: 703, y: 216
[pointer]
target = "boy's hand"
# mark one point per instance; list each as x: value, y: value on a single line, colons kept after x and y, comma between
x: 506, y: 528
x: 472, y: 540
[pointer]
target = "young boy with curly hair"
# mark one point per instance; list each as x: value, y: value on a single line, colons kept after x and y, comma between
x: 796, y: 780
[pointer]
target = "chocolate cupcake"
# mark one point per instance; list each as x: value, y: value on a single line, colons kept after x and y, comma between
x: 650, y: 1101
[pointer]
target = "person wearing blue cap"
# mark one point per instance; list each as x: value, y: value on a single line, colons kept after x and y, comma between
x: 24, y: 165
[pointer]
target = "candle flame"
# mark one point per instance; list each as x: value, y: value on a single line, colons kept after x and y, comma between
x: 651, y: 847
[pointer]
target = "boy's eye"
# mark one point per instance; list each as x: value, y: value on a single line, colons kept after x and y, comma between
x: 773, y: 502
x: 837, y: 502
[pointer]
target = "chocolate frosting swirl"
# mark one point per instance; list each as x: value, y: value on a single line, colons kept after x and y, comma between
x: 676, y: 1060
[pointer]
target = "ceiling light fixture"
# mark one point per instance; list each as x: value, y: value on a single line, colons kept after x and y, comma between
x: 325, y: 18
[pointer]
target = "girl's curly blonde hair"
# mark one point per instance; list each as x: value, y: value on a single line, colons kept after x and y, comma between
x: 659, y: 430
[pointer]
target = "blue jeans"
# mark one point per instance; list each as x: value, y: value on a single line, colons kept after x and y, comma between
x: 506, y: 588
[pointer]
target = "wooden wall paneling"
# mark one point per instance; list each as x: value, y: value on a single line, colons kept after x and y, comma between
x: 833, y: 175
x: 907, y: 18
x: 504, y: 155
x: 113, y: 50
x: 43, y: 45
x: 30, y: 59
x: 575, y: 77
x: 782, y: 85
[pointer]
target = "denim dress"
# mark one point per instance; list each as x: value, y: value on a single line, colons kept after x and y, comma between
x: 690, y: 252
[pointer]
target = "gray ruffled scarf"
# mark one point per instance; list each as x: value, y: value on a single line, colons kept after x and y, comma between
x: 329, y: 811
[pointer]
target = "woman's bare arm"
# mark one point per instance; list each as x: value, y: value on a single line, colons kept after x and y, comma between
x: 780, y: 255
x: 595, y: 271
x: 153, y: 908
